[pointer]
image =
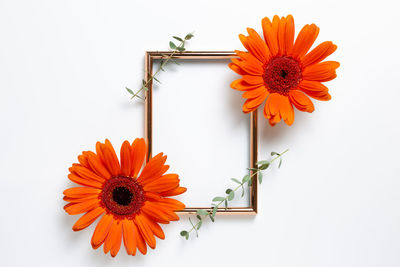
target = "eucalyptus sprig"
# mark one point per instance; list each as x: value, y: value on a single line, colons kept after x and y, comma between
x: 176, y: 49
x: 218, y: 201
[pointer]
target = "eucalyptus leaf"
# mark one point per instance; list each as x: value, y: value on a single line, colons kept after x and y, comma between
x: 214, y: 211
x: 184, y: 233
x: 275, y: 153
x: 156, y: 79
x: 189, y: 36
x: 261, y: 162
x: 172, y: 45
x: 199, y: 224
x: 129, y: 90
x: 231, y: 195
x: 280, y: 162
x: 180, y: 49
x: 236, y: 180
x: 202, y: 212
x: 177, y: 38
x: 260, y: 177
x: 218, y: 199
x: 228, y: 191
x: 264, y: 166
x: 212, y: 218
x: 246, y: 178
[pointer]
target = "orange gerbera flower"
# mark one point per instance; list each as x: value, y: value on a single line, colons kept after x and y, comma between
x: 280, y: 71
x: 131, y: 205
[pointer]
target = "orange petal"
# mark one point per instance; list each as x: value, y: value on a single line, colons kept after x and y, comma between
x: 282, y: 36
x: 246, y: 57
x: 275, y: 119
x: 113, y: 236
x: 78, y: 192
x: 139, y: 150
x: 87, y: 219
x: 286, y: 110
x: 271, y: 34
x: 237, y: 69
x: 241, y: 85
x: 117, y: 242
x: 318, y: 54
x: 126, y: 158
x: 289, y: 34
x: 152, y: 195
x: 164, y: 183
x: 272, y: 105
x: 99, y: 152
x: 249, y: 66
x: 174, y: 192
x: 145, y: 231
x: 171, y: 203
x: 315, y: 90
x: 97, y: 165
x: 101, y: 231
x: 255, y: 93
x: 321, y: 72
x: 153, y: 167
x: 156, y: 175
x: 81, y: 207
x: 252, y: 104
x: 110, y: 158
x: 85, y: 182
x: 255, y: 80
x: 305, y: 40
x: 86, y: 173
x: 83, y: 160
x: 129, y: 238
x: 80, y: 199
x: 157, y: 215
x: 140, y: 243
x: 271, y: 109
x: 257, y: 46
x: 154, y: 227
x: 156, y: 210
x: 301, y: 101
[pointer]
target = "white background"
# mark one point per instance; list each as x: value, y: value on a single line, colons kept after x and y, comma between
x: 63, y: 67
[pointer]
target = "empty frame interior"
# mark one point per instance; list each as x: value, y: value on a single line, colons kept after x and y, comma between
x: 196, y: 119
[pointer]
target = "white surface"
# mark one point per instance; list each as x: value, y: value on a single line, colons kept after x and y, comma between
x: 197, y: 120
x: 63, y: 66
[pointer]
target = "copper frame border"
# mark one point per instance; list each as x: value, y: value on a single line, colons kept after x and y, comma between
x: 150, y: 56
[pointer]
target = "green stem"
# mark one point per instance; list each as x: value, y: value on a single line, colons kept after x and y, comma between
x: 272, y: 160
x: 194, y: 227
x: 222, y: 201
x: 182, y: 44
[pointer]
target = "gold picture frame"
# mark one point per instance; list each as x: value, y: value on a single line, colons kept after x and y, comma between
x: 150, y: 57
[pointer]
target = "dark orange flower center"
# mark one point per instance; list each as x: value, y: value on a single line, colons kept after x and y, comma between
x: 282, y: 74
x: 122, y: 196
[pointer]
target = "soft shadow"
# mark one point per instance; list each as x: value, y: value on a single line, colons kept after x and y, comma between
x: 270, y: 134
